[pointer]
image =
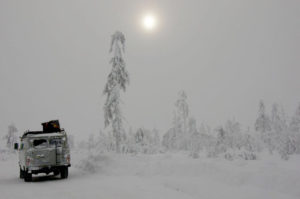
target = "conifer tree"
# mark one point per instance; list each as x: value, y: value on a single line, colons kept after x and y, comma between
x: 117, y: 81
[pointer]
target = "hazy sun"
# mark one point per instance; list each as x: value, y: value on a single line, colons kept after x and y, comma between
x: 149, y: 22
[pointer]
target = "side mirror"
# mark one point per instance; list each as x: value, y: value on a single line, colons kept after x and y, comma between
x: 16, y: 146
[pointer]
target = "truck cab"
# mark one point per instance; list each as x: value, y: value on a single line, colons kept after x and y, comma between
x: 44, y: 152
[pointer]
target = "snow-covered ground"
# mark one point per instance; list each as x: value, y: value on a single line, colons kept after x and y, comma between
x: 159, y: 176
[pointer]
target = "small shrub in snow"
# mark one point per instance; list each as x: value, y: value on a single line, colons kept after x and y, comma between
x: 228, y: 156
x: 247, y: 156
x: 5, y: 154
x: 194, y: 155
x: 93, y: 163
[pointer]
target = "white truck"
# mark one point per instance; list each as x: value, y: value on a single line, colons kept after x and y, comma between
x: 44, y: 152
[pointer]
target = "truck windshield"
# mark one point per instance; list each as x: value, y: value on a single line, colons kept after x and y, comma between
x: 40, y: 143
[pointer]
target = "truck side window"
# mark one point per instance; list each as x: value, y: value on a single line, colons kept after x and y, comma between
x: 40, y: 143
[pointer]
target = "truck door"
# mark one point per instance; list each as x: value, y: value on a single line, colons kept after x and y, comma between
x: 56, y: 145
x: 42, y: 154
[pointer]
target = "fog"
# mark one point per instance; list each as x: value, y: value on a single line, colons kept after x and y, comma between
x: 227, y: 55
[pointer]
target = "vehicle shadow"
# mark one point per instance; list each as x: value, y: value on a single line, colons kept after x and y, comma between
x: 41, y: 178
x: 35, y: 179
x: 51, y: 177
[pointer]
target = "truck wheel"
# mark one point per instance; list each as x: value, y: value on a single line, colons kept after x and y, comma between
x: 64, y: 172
x: 56, y: 172
x: 21, y: 174
x: 27, y: 177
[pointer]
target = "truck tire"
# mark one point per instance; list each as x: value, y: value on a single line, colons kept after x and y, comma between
x: 55, y: 173
x: 21, y: 174
x: 27, y: 177
x: 64, y: 172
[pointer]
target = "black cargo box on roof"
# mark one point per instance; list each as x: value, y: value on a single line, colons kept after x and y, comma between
x: 51, y: 126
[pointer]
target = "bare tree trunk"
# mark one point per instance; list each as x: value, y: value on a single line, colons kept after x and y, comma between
x: 117, y: 133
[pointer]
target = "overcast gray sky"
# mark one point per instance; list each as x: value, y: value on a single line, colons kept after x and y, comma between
x: 227, y: 55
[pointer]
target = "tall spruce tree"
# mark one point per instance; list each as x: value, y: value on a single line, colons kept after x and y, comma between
x: 117, y: 80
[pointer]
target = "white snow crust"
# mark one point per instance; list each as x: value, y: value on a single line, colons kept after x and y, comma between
x: 160, y: 176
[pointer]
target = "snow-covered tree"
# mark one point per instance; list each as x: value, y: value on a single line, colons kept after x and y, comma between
x: 278, y: 121
x: 91, y: 142
x: 130, y: 143
x: 169, y: 139
x: 146, y: 141
x: 234, y: 137
x: 295, y: 121
x: 194, y: 140
x: 294, y: 128
x: 156, y: 137
x: 182, y: 112
x: 281, y: 138
x: 11, y: 136
x: 263, y: 126
x: 205, y: 137
x: 221, y: 144
x: 117, y: 80
x: 177, y: 136
x: 248, y: 143
x: 262, y: 123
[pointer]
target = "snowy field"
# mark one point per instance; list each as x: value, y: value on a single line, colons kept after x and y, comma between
x: 162, y: 176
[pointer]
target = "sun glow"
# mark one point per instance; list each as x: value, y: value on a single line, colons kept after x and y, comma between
x: 149, y: 22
